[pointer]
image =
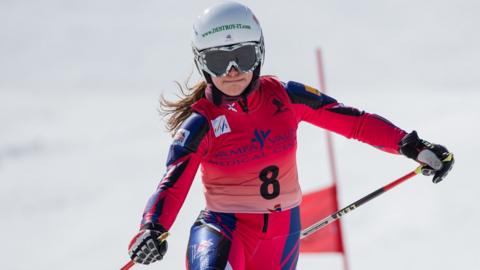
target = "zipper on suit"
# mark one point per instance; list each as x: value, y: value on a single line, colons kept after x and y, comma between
x: 265, y: 223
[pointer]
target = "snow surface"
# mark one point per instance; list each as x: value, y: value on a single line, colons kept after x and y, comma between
x: 82, y: 146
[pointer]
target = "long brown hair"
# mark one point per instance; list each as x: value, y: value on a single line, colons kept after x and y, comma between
x: 177, y: 111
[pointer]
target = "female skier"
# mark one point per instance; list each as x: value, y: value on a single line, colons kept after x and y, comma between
x: 242, y: 129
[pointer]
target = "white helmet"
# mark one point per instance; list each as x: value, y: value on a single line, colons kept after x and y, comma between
x: 225, y: 27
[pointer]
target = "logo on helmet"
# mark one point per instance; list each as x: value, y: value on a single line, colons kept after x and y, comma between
x: 227, y: 27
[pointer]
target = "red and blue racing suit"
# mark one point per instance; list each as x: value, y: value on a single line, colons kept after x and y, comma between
x: 247, y: 153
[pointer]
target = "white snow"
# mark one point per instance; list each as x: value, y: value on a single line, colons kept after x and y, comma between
x: 82, y: 146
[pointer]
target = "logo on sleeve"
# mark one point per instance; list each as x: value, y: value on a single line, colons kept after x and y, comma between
x: 181, y: 137
x: 312, y: 90
x: 220, y: 125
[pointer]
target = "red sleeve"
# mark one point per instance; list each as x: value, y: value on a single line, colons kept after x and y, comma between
x: 182, y: 165
x: 323, y: 111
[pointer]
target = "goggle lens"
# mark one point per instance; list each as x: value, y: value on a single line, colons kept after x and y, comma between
x: 220, y: 60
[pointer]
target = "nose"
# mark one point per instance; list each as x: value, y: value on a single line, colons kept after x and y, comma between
x: 233, y: 72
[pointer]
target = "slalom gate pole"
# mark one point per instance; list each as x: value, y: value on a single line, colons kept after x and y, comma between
x: 131, y: 263
x: 337, y: 215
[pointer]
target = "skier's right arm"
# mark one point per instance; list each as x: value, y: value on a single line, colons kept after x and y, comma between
x: 184, y: 158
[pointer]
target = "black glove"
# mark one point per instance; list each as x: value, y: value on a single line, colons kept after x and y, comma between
x: 436, y: 157
x: 149, y: 245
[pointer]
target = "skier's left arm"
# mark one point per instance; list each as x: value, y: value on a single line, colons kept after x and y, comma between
x: 324, y: 111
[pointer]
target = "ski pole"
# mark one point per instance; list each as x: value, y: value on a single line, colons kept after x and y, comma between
x: 130, y: 263
x: 337, y: 215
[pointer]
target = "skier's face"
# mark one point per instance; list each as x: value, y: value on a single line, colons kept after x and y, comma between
x: 234, y: 82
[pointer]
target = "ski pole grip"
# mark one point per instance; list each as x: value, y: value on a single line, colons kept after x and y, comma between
x: 130, y: 263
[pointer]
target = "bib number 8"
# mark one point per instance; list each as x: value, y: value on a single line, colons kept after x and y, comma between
x: 270, y: 187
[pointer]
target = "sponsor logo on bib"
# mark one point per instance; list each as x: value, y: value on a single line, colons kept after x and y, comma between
x: 220, y: 125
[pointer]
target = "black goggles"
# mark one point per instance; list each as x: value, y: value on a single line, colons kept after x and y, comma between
x: 218, y: 61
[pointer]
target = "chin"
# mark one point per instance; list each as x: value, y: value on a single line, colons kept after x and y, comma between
x: 233, y: 92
